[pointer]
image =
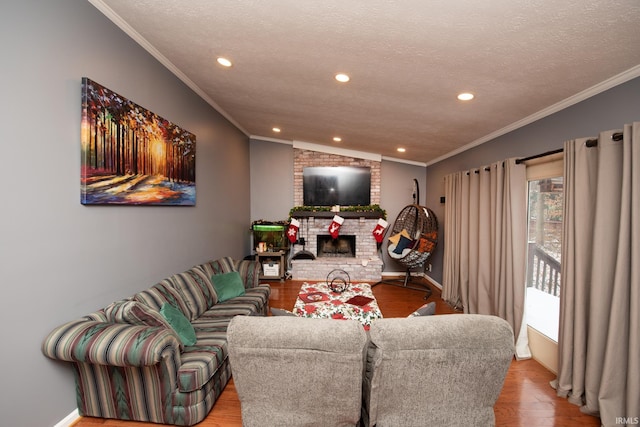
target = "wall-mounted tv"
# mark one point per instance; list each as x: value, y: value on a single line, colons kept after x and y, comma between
x: 336, y: 185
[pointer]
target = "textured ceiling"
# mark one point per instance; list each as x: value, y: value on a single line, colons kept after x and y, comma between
x: 407, y: 61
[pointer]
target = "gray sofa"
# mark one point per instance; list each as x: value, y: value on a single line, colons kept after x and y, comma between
x: 418, y: 371
x: 131, y: 363
x: 291, y: 371
x: 436, y: 371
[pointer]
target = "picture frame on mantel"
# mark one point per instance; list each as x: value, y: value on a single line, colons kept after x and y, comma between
x: 132, y: 156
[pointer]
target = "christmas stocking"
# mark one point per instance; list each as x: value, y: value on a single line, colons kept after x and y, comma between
x: 292, y: 231
x: 378, y: 231
x: 334, y: 227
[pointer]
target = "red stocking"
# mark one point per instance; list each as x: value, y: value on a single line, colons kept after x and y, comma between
x: 334, y: 228
x: 292, y: 232
x: 378, y: 231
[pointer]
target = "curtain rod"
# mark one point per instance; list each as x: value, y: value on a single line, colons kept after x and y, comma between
x: 537, y: 156
x: 590, y: 143
x: 594, y: 142
x: 488, y: 169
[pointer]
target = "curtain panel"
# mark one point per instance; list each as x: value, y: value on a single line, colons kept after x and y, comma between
x: 485, y: 244
x: 599, y: 336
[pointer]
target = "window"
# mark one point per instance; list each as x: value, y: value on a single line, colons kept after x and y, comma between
x: 545, y: 182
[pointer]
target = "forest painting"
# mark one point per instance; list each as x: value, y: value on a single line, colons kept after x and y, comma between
x: 131, y: 156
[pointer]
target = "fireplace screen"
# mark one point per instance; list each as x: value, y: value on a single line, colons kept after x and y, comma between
x: 343, y: 246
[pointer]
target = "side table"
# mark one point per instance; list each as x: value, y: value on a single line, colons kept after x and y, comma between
x: 272, y: 264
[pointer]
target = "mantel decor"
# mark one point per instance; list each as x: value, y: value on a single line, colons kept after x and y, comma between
x: 132, y: 156
x: 369, y: 211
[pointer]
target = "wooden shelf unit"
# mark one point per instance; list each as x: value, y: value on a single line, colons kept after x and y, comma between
x: 272, y: 257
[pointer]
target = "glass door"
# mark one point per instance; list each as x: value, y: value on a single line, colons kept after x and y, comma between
x: 544, y: 255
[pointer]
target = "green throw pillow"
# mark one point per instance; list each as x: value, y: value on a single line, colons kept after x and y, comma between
x: 179, y: 323
x: 228, y: 285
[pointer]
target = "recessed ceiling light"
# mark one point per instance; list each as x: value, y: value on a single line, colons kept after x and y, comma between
x: 224, y: 62
x: 337, y: 139
x: 401, y: 149
x: 342, y: 78
x: 277, y: 130
x: 465, y: 96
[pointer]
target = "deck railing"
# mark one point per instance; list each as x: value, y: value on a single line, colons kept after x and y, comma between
x: 543, y: 271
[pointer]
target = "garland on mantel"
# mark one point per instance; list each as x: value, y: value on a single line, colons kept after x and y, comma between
x: 358, y: 208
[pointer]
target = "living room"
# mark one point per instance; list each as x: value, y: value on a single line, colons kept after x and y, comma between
x: 69, y: 259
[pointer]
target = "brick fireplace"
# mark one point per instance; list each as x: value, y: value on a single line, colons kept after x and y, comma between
x: 364, y: 263
x: 361, y: 260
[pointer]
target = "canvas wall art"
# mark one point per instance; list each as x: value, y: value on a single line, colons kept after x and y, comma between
x: 131, y: 156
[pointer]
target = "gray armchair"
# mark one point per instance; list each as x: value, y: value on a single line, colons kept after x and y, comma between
x: 436, y: 370
x: 291, y: 371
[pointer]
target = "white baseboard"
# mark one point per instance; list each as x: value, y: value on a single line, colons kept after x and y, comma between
x: 430, y: 279
x: 393, y: 273
x: 69, y: 419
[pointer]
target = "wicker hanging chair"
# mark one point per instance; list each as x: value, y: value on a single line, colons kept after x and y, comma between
x: 412, y: 239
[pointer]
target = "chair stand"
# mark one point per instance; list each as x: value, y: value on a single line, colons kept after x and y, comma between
x: 404, y: 283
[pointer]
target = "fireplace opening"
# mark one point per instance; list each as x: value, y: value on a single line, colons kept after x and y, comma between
x: 343, y: 246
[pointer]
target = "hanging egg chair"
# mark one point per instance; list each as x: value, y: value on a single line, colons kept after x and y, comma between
x: 412, y: 240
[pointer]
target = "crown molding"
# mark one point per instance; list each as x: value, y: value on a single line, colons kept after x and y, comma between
x: 408, y: 162
x: 336, y: 150
x: 269, y: 139
x: 144, y: 43
x: 612, y: 82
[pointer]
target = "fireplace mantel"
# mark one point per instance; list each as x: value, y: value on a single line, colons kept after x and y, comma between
x: 343, y: 214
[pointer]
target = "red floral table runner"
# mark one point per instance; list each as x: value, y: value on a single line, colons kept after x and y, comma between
x: 356, y: 303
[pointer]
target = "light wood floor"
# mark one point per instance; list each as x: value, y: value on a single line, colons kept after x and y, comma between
x: 526, y: 400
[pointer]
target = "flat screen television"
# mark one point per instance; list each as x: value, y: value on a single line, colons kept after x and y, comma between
x: 336, y: 185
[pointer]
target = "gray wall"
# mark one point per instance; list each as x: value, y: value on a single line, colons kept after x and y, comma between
x: 608, y: 110
x: 272, y: 186
x: 58, y: 259
x: 271, y: 180
x: 396, y: 192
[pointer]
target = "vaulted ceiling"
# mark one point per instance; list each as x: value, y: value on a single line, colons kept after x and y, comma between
x: 407, y: 62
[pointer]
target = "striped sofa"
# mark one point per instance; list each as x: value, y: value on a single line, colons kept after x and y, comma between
x: 129, y: 364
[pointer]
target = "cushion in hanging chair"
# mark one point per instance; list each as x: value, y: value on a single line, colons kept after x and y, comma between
x: 396, y: 237
x: 427, y: 242
x: 400, y: 244
x: 403, y: 244
x: 395, y: 255
x: 426, y: 245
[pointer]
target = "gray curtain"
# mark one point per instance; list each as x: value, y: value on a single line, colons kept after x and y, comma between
x: 485, y: 244
x: 599, y: 337
x: 454, y: 230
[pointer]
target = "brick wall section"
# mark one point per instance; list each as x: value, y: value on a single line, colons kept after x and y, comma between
x: 307, y: 158
x: 362, y: 228
x: 369, y: 271
x: 365, y: 266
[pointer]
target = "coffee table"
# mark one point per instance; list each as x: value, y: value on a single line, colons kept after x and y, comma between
x: 318, y: 301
